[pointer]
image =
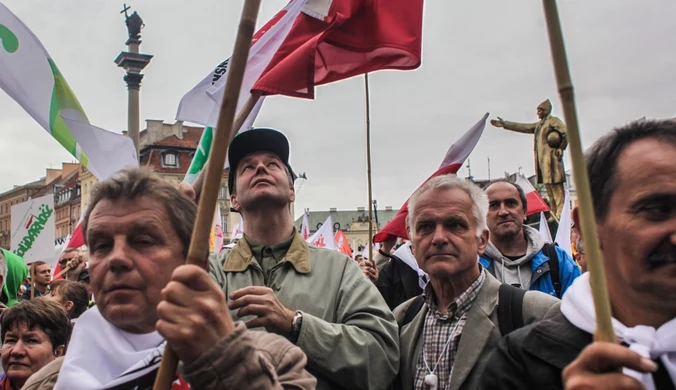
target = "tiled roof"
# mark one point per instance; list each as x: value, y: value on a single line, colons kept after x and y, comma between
x: 191, y: 138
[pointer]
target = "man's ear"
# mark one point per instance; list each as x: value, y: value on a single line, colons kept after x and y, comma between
x: 483, y: 242
x: 233, y: 202
x: 292, y: 198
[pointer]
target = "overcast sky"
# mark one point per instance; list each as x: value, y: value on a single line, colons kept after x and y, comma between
x: 478, y: 56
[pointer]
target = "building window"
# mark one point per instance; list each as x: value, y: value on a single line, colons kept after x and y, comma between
x: 224, y: 193
x: 224, y: 223
x: 170, y: 160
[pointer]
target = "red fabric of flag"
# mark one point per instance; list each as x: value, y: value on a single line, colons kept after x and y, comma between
x: 354, y: 37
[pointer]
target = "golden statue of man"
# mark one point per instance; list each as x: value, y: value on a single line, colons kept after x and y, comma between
x: 551, y: 139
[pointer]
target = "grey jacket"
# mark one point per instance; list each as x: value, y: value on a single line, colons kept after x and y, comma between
x: 479, y: 338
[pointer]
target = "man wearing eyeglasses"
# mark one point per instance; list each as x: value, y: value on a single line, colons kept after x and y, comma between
x: 72, y: 258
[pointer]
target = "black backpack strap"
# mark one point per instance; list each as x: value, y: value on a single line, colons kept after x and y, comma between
x: 550, y: 251
x: 412, y: 310
x: 510, y: 308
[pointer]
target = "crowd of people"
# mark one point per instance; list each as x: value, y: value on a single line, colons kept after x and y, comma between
x: 475, y: 299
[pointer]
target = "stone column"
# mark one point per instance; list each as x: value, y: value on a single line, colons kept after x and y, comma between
x: 133, y: 62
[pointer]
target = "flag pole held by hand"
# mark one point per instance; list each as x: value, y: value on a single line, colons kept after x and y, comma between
x: 199, y: 243
x: 586, y: 209
x: 242, y: 115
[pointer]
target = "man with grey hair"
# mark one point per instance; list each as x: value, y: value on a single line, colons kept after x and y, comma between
x: 447, y: 226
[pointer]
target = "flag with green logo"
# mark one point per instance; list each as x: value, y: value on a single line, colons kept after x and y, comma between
x: 30, y: 76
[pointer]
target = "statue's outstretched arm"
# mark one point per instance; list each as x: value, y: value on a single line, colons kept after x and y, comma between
x: 526, y: 128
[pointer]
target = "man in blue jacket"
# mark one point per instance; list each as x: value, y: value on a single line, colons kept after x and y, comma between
x: 516, y: 253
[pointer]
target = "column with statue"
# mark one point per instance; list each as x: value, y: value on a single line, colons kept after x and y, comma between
x: 550, y: 141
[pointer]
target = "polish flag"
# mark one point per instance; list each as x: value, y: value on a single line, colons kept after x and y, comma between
x: 341, y: 243
x: 323, y: 237
x: 332, y: 40
x: 535, y: 202
x: 455, y: 157
x: 305, y: 227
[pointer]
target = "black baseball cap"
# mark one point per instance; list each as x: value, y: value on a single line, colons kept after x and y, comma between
x: 257, y: 140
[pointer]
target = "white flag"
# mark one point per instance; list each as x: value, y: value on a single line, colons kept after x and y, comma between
x: 238, y: 230
x: 563, y: 232
x: 29, y: 75
x: 305, y: 227
x: 323, y: 237
x: 544, y: 229
x: 202, y: 104
x: 33, y: 229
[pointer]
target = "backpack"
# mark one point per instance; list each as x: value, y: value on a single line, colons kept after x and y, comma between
x: 510, y: 308
x: 550, y: 251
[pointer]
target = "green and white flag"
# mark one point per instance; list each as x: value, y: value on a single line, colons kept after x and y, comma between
x: 30, y: 77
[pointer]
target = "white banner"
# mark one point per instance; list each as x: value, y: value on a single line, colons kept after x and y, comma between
x: 33, y: 229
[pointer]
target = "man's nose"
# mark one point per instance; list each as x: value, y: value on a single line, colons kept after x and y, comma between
x: 120, y: 258
x: 439, y: 237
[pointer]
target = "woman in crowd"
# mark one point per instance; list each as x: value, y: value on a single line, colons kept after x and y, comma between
x: 34, y: 333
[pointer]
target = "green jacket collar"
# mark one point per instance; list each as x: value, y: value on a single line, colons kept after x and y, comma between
x: 240, y: 257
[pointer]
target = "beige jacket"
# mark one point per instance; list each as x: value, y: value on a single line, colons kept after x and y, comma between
x: 348, y: 333
x: 244, y: 359
x: 480, y: 335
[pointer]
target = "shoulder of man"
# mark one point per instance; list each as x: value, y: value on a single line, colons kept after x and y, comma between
x: 538, y: 306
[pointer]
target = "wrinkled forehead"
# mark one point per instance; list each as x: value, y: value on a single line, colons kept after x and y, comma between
x: 501, y: 191
x: 115, y: 216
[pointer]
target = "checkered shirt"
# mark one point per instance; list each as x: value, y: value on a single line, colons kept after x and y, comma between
x: 437, y: 331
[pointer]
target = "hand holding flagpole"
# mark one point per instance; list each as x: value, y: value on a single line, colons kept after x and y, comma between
x: 199, y: 243
x: 604, y: 328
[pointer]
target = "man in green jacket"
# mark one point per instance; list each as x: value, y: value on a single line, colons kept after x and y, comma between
x: 317, y: 298
x: 16, y: 273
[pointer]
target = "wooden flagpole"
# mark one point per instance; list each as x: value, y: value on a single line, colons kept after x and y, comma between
x: 199, y: 243
x: 242, y: 115
x: 604, y: 328
x: 368, y: 164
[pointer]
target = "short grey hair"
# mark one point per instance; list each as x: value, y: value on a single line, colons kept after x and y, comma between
x: 478, y: 196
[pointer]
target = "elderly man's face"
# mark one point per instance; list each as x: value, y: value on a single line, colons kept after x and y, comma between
x: 443, y: 233
x: 133, y: 251
x: 638, y: 235
x: 261, y: 181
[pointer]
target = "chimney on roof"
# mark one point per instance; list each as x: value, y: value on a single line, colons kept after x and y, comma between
x: 361, y: 209
x: 333, y: 209
x: 388, y: 208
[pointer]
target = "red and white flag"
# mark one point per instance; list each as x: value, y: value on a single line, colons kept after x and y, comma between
x: 323, y: 237
x: 455, y: 157
x: 332, y: 40
x: 305, y: 227
x: 202, y: 103
x: 341, y: 243
x: 535, y: 202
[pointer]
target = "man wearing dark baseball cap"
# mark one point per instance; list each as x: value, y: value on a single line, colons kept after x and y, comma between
x: 273, y: 279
